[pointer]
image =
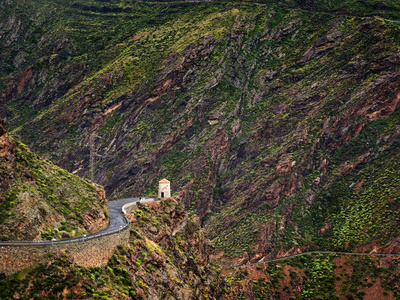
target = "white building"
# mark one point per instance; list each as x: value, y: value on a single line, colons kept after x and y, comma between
x: 164, y: 189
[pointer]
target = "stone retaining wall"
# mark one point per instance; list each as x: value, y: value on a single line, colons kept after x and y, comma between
x: 128, y: 208
x: 89, y: 253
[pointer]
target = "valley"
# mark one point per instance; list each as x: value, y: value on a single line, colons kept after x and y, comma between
x: 277, y: 123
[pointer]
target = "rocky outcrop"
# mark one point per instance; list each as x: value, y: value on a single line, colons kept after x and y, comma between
x: 2, y: 127
x: 7, y: 156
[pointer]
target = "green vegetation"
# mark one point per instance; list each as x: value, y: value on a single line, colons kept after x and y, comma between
x: 360, y: 207
x: 50, y: 192
x: 320, y: 276
x: 247, y: 229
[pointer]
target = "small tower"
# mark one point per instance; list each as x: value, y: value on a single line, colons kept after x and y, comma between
x: 164, y: 189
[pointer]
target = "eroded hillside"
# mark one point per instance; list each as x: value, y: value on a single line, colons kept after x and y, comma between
x: 282, y: 123
x: 40, y: 201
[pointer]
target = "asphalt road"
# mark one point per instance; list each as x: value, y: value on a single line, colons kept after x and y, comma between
x: 118, y: 222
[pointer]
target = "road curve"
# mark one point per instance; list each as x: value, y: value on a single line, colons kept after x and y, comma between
x: 117, y: 218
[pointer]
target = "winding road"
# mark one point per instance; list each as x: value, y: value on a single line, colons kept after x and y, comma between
x: 118, y: 222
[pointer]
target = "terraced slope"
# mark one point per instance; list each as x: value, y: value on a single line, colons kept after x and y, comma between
x: 280, y: 120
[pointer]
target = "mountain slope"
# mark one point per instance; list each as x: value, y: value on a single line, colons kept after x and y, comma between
x: 273, y: 116
x: 38, y: 200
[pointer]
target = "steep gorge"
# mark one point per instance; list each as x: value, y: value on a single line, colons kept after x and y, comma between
x: 281, y: 124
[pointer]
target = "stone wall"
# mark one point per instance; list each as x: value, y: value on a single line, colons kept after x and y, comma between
x: 128, y: 208
x: 89, y: 253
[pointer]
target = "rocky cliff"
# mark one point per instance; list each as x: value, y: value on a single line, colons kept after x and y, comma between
x: 38, y: 200
x: 281, y: 118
